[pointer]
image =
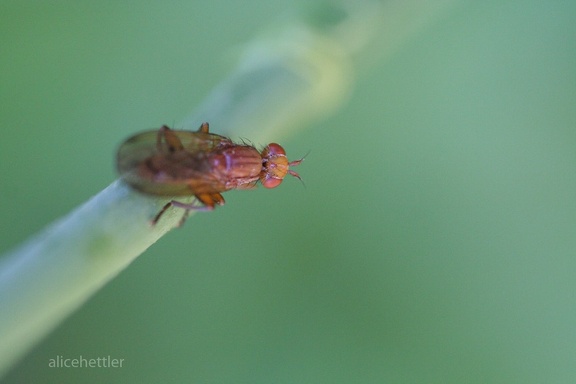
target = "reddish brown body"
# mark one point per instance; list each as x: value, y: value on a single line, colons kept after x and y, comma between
x: 183, y: 163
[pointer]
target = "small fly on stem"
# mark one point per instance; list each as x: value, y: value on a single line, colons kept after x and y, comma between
x: 168, y: 162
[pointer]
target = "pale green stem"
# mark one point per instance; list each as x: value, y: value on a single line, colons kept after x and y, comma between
x: 281, y: 84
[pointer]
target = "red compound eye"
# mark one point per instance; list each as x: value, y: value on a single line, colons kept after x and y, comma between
x: 271, y: 182
x: 273, y: 149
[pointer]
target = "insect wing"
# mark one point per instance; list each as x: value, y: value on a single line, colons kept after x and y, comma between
x: 139, y: 147
x: 199, y: 141
x: 149, y: 163
x: 135, y: 150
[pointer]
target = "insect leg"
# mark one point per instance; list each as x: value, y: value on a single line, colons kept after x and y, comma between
x: 210, y: 199
x: 172, y: 141
x: 186, y: 206
x: 204, y: 128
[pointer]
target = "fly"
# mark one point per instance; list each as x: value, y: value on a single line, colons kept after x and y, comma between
x: 169, y: 162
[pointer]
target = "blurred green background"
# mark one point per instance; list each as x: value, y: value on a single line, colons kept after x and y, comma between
x: 434, y: 240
